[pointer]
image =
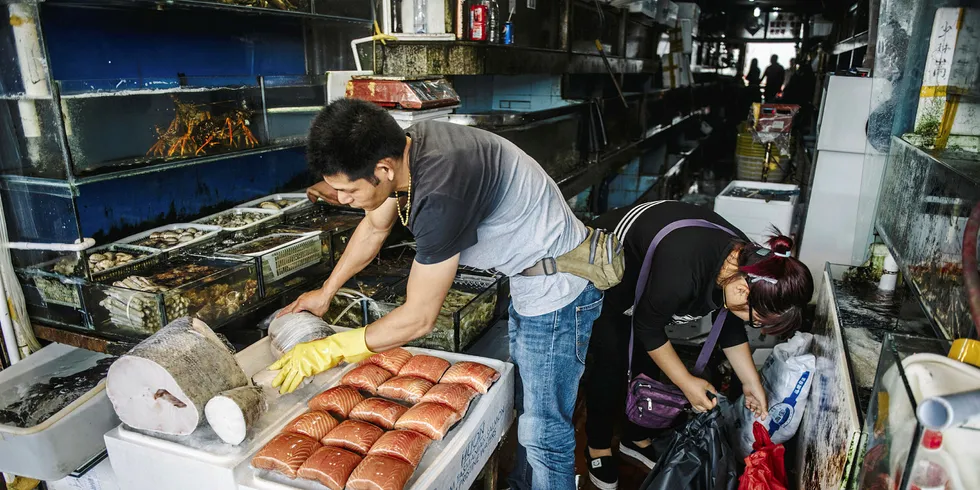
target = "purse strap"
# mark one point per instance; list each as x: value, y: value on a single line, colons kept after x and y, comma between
x: 709, y: 344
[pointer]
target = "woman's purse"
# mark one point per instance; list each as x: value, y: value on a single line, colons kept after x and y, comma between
x: 650, y: 403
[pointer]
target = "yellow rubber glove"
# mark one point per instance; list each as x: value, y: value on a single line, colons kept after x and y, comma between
x: 311, y: 358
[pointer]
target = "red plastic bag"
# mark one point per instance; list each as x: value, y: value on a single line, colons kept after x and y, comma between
x: 765, y: 468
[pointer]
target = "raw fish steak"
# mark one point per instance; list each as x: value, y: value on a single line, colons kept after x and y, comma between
x: 380, y: 473
x: 453, y: 395
x: 431, y: 419
x: 406, y: 445
x: 353, y: 435
x: 337, y: 400
x: 425, y: 367
x: 285, y: 453
x: 475, y: 375
x: 378, y: 411
x: 406, y: 388
x: 392, y: 360
x: 367, y: 377
x: 313, y: 424
x: 331, y: 466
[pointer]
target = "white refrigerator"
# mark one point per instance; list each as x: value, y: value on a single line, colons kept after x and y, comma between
x: 847, y: 173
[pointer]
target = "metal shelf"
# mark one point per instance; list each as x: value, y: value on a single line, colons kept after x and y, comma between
x: 850, y: 44
x: 72, y: 183
x: 205, y: 5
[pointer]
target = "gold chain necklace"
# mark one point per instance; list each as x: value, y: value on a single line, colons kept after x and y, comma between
x: 408, y: 207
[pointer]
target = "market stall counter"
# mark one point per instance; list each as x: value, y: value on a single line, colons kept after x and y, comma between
x: 144, y: 460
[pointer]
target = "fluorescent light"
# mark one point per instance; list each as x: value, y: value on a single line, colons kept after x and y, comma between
x: 757, y: 12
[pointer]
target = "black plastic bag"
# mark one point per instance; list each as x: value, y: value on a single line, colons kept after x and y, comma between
x: 698, y: 456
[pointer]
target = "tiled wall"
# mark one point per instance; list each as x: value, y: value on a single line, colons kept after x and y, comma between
x: 628, y: 186
x: 513, y: 93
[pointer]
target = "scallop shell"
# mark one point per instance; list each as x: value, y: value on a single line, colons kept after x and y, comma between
x: 270, y: 205
x: 105, y: 264
x: 96, y: 258
x: 156, y: 234
x: 124, y: 256
x: 191, y: 230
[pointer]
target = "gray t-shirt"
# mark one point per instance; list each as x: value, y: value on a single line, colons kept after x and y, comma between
x: 477, y: 194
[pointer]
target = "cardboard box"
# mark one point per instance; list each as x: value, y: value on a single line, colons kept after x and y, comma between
x: 677, y: 70
x: 690, y: 11
x: 948, y: 114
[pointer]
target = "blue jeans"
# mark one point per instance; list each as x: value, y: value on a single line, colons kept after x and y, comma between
x: 549, y: 351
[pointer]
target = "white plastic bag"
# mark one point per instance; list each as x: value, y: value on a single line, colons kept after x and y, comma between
x: 786, y: 377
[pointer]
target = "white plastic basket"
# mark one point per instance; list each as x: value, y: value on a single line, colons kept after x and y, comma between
x: 211, y: 232
x: 303, y: 202
x: 267, y: 216
x: 287, y: 258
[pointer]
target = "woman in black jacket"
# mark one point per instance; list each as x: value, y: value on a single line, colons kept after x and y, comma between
x: 695, y: 271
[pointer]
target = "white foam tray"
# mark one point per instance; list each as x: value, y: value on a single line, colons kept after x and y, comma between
x: 211, y: 232
x: 54, y: 448
x: 145, y: 461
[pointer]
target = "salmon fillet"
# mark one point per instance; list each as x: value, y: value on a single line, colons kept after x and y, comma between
x: 406, y: 388
x: 380, y: 473
x: 430, y: 419
x: 425, y: 367
x: 331, y: 466
x: 406, y: 445
x: 453, y: 395
x: 391, y: 360
x: 353, y: 435
x: 475, y: 375
x: 285, y: 453
x: 378, y: 411
x: 337, y: 400
x: 314, y: 425
x: 367, y: 377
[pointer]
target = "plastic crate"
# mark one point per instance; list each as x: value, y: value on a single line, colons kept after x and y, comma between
x: 263, y: 217
x: 301, y: 202
x: 283, y: 259
x: 211, y: 233
x: 458, y: 325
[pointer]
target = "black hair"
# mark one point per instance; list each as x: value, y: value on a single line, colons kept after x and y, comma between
x: 350, y: 137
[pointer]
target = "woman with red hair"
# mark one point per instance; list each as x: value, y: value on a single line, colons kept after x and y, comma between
x: 700, y: 265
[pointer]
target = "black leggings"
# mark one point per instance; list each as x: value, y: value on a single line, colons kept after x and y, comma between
x: 605, y: 395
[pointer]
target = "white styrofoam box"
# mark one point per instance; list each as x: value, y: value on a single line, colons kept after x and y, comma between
x: 202, y: 461
x: 755, y: 217
x: 844, y: 114
x: 99, y: 477
x: 456, y: 460
x: 70, y: 437
x: 676, y: 70
x: 666, y: 12
x: 682, y: 39
x: 406, y: 118
x: 832, y: 213
x: 689, y: 10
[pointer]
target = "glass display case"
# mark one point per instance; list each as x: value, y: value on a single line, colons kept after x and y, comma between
x: 140, y: 122
x: 892, y: 431
x: 472, y: 305
x: 922, y: 211
x: 139, y: 301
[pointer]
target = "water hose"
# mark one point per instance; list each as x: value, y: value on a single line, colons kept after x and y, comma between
x: 971, y: 276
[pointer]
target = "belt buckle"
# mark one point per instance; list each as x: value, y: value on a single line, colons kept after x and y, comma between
x: 549, y: 265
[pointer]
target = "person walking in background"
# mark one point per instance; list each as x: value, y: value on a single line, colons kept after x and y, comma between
x: 790, y: 71
x: 753, y: 79
x: 774, y: 76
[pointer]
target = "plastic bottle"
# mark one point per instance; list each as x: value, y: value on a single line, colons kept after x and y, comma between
x: 421, y: 7
x: 932, y: 465
x: 493, y: 21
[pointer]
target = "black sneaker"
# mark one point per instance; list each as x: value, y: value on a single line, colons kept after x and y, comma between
x: 645, y: 455
x: 603, y: 472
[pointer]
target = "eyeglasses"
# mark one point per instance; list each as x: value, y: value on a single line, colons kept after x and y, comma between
x: 751, y: 321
